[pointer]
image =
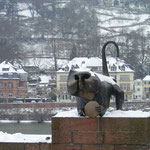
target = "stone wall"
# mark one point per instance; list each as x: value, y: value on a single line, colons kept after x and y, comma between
x: 100, y: 133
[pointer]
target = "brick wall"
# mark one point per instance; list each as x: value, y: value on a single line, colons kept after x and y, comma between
x: 25, y: 146
x: 15, y: 90
x: 93, y: 134
x: 100, y: 133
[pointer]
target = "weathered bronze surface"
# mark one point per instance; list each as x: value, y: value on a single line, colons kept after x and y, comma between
x: 89, y: 86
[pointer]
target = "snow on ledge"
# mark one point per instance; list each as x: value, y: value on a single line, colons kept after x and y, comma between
x: 109, y: 114
x: 70, y: 113
x: 127, y: 114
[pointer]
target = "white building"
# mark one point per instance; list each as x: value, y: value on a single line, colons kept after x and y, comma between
x: 117, y: 68
x: 146, y: 87
x: 138, y: 89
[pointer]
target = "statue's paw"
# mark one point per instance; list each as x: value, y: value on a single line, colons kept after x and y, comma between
x: 101, y: 110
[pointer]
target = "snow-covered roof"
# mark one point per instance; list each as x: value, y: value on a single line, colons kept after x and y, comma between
x: 147, y: 78
x: 84, y: 62
x: 138, y: 80
x: 6, y: 67
x: 118, y: 64
x: 20, y: 70
x: 45, y: 79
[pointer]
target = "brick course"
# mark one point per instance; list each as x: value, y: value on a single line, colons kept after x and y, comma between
x: 25, y: 146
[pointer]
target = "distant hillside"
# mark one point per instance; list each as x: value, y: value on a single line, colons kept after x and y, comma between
x: 64, y: 29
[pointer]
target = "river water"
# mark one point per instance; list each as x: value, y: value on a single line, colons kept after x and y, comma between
x: 26, y: 128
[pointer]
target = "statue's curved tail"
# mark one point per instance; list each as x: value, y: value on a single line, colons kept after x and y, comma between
x: 104, y: 62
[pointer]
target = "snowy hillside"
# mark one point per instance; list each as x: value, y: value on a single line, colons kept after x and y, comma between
x: 112, y: 20
x: 68, y: 29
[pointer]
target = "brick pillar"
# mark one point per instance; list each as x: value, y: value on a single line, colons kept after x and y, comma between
x: 100, y: 133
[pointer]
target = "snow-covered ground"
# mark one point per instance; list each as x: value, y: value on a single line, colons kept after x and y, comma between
x: 24, y: 138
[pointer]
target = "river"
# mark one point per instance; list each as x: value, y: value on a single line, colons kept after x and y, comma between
x: 26, y: 128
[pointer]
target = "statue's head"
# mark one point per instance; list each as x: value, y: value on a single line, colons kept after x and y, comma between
x: 82, y: 84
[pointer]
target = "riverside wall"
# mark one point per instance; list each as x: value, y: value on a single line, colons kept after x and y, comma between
x: 76, y: 133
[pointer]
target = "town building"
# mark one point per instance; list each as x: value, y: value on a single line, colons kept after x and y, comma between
x: 117, y: 68
x: 146, y: 87
x: 138, y: 89
x: 13, y: 81
x: 115, y: 3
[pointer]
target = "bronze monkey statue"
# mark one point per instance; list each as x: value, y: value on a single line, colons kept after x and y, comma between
x: 90, y: 86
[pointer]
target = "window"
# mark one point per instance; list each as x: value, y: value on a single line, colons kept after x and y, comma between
x: 122, y: 68
x: 5, y: 75
x: 68, y: 97
x: 113, y: 68
x: 61, y: 97
x: 138, y: 89
x: 1, y: 94
x: 63, y: 88
x: 125, y: 87
x: 146, y: 82
x: 21, y: 83
x: 146, y: 89
x: 10, y: 85
x: 14, y: 75
x: 67, y: 68
x: 124, y: 78
x: 147, y: 95
x: 63, y: 78
x: 138, y: 83
x: 5, y: 69
x: 10, y: 94
x: 1, y: 84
